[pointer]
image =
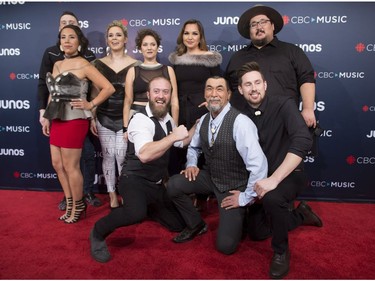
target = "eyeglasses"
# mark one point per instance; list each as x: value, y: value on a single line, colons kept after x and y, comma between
x: 261, y: 23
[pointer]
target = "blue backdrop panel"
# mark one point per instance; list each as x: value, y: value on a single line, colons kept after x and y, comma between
x: 337, y: 37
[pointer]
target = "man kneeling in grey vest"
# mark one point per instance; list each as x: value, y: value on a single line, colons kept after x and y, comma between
x: 234, y: 163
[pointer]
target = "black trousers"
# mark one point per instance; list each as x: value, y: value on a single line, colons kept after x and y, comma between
x: 142, y: 199
x: 271, y: 215
x: 230, y: 221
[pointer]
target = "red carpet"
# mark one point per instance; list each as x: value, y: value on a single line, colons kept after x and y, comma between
x: 35, y: 245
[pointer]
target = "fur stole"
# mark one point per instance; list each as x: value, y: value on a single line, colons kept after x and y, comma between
x: 209, y: 60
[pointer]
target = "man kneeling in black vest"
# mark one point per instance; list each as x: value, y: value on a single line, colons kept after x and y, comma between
x: 234, y: 163
x: 151, y: 134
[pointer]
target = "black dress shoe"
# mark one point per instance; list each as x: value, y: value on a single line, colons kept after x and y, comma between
x: 98, y: 248
x: 280, y: 265
x: 92, y: 200
x: 309, y: 217
x: 188, y: 234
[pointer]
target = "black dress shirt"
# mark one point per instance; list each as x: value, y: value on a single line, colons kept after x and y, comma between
x: 281, y: 129
x: 284, y: 65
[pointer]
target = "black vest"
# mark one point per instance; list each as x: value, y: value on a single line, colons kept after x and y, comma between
x: 224, y: 163
x: 154, y: 170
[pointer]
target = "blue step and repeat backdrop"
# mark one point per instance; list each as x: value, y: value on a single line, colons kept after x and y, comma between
x: 338, y: 37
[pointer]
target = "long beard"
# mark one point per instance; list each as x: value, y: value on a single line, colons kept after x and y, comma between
x: 159, y: 112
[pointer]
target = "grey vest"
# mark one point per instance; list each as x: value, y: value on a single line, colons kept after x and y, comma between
x: 224, y: 163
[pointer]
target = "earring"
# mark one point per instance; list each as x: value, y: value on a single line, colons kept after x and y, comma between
x: 61, y: 49
x: 79, y: 48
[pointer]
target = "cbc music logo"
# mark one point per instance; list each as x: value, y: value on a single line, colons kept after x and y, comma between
x: 340, y: 75
x: 153, y: 22
x: 31, y: 175
x: 360, y: 160
x: 226, y: 48
x: 15, y: 129
x: 14, y: 104
x: 364, y: 47
x: 23, y: 76
x: 368, y: 108
x: 332, y: 184
x: 16, y: 26
x: 315, y: 20
x: 98, y: 50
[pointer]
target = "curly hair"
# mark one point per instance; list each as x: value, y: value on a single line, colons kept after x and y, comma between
x: 141, y: 34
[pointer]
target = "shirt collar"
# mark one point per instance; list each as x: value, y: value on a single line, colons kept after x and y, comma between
x: 260, y: 110
x: 274, y: 43
x: 219, y: 118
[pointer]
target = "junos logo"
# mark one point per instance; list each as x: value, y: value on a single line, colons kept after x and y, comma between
x: 84, y: 24
x: 318, y: 106
x: 12, y: 2
x: 310, y: 48
x: 309, y: 159
x: 10, y: 52
x: 226, y: 20
x: 15, y: 129
x: 12, y: 152
x: 14, y: 104
x: 136, y: 51
x: 371, y: 134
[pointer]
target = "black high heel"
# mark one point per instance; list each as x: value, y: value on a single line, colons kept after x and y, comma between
x: 69, y: 207
x: 79, y: 210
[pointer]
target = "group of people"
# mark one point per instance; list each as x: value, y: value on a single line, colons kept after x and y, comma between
x: 245, y: 123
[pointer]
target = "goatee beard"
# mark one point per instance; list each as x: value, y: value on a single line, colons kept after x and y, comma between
x: 158, y: 112
x: 260, y: 42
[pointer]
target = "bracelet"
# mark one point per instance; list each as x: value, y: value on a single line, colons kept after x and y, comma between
x: 93, y: 105
x: 124, y: 129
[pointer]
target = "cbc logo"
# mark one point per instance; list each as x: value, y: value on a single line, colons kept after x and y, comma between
x: 340, y: 75
x: 155, y: 22
x: 361, y: 160
x: 26, y: 175
x: 333, y: 184
x: 23, y: 76
x: 367, y: 108
x: 318, y: 19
